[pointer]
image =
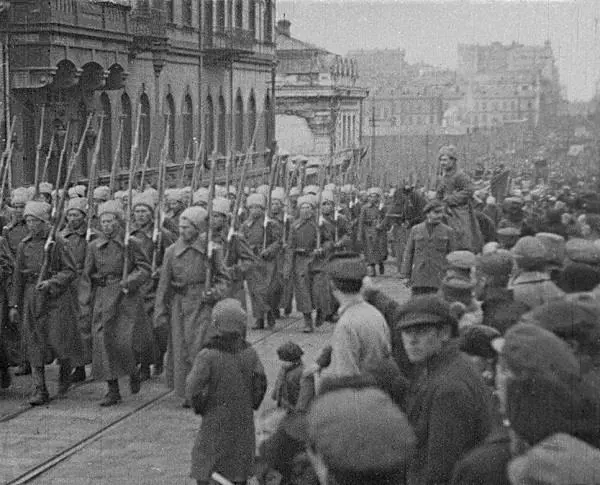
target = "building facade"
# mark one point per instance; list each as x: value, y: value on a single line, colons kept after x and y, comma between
x: 319, y: 102
x: 203, y: 68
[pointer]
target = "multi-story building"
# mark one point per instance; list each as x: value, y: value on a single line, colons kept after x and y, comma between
x: 318, y: 100
x: 203, y: 68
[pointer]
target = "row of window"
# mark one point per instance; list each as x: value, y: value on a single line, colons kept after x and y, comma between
x: 347, y: 137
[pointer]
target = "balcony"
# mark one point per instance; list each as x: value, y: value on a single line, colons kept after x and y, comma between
x: 229, y: 42
x: 148, y: 26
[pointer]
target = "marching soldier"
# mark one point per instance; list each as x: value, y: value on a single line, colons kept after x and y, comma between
x: 184, y: 299
x: 372, y: 231
x: 290, y: 214
x: 276, y: 288
x: 265, y: 247
x: 100, y: 195
x: 112, y: 296
x: 75, y: 236
x: 143, y: 215
x: 175, y: 200
x: 44, y: 303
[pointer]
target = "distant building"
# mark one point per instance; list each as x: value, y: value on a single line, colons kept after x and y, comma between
x: 319, y: 102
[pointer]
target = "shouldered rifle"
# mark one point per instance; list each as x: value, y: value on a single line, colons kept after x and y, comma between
x: 61, y: 161
x: 209, y: 217
x: 268, y: 212
x: 75, y: 157
x: 162, y: 170
x: 146, y: 162
x: 183, y: 165
x: 38, y: 153
x: 132, y: 168
x: 6, y: 157
x: 92, y: 179
x: 116, y: 159
x: 48, y: 157
x: 319, y: 200
x: 198, y: 158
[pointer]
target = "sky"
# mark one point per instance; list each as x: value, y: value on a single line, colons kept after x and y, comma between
x: 430, y: 30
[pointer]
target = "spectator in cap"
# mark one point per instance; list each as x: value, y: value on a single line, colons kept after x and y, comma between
x: 424, y: 262
x: 184, y: 300
x: 532, y: 284
x: 384, y: 450
x: 287, y: 386
x: 458, y: 292
x: 226, y: 383
x: 508, y: 236
x: 556, y: 250
x: 372, y: 231
x: 361, y: 341
x: 448, y: 404
x: 579, y: 278
x: 460, y: 265
x: 53, y: 331
x: 492, y: 274
x: 514, y: 216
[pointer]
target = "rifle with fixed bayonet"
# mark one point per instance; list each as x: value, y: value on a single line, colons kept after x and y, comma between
x: 48, y: 157
x: 162, y: 170
x: 38, y: 153
x: 92, y: 179
x: 198, y: 161
x: 6, y: 158
x: 209, y: 218
x: 116, y: 160
x: 319, y: 201
x: 268, y: 212
x: 145, y: 165
x: 61, y: 160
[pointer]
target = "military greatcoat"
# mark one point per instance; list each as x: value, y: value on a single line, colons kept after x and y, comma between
x: 181, y: 308
x: 120, y: 332
x: 48, y: 319
x: 372, y: 234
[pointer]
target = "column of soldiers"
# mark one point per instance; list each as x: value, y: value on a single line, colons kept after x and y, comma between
x: 130, y: 303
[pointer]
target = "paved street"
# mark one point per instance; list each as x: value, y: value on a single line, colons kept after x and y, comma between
x: 147, y: 439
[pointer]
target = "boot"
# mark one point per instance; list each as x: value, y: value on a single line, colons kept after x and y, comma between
x: 319, y: 318
x: 145, y: 372
x: 259, y: 324
x: 5, y: 378
x: 308, y: 323
x: 381, y: 268
x: 271, y: 319
x: 135, y: 382
x: 78, y: 374
x: 24, y: 369
x: 113, y: 396
x: 40, y: 395
x: 64, y: 377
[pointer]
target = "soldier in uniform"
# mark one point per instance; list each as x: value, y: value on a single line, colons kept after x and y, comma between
x: 265, y: 248
x: 75, y: 237
x: 290, y: 214
x: 276, y: 289
x: 175, y: 200
x: 112, y: 297
x: 184, y: 299
x: 6, y: 332
x: 372, y: 231
x: 143, y: 206
x: 44, y: 304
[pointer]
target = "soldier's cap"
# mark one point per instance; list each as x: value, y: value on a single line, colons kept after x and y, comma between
x: 294, y: 191
x: 111, y: 207
x: 101, y: 193
x: 346, y: 189
x: 201, y: 195
x: 498, y: 263
x: 78, y: 203
x: 262, y: 189
x: 477, y: 340
x: 220, y: 191
x: 290, y: 352
x: 144, y: 199
x: 327, y: 196
x: 195, y: 215
x: 152, y: 193
x: 38, y: 209
x: 531, y: 348
x: 307, y: 199
x: 278, y: 193
x: 448, y: 151
x: 257, y: 199
x: 310, y: 189
x: 432, y: 205
x: 45, y: 188
x: 20, y: 196
x: 77, y: 191
x: 174, y: 195
x: 576, y: 319
x: 512, y: 202
x: 330, y: 187
x: 228, y: 316
x: 508, y: 232
x: 221, y: 205
x: 461, y: 259
x: 583, y: 251
x: 375, y: 191
x: 360, y: 430
x: 347, y: 266
x: 427, y: 310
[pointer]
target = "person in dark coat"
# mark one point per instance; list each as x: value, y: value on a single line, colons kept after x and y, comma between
x: 45, y: 305
x: 448, y: 404
x: 372, y: 231
x: 424, y: 263
x: 287, y: 386
x: 223, y: 387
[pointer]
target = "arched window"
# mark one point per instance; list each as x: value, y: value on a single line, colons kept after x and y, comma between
x: 252, y: 18
x: 29, y: 141
x: 268, y: 21
x: 239, y: 14
x: 208, y: 17
x: 187, y: 12
x: 169, y: 112
x: 251, y: 117
x: 209, y: 125
x: 82, y: 115
x: 221, y: 127
x: 145, y: 127
x: 268, y: 122
x: 187, y: 117
x: 106, y: 155
x: 239, y: 123
x: 126, y: 133
x: 221, y: 15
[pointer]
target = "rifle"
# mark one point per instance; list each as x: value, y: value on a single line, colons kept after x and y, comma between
x: 209, y: 217
x: 75, y: 157
x: 92, y: 179
x: 61, y: 158
x: 145, y: 166
x: 113, y: 170
x: 228, y: 163
x: 319, y: 200
x: 269, y: 200
x: 199, y: 155
x: 38, y: 153
x: 5, y: 161
x: 183, y: 166
x: 132, y: 167
x: 162, y: 170
x: 48, y: 156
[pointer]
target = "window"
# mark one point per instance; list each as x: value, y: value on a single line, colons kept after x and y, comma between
x: 105, y: 161
x: 268, y: 122
x: 221, y: 127
x: 221, y: 15
x: 145, y: 125
x: 126, y: 130
x: 169, y: 10
x: 187, y: 117
x: 239, y: 14
x: 252, y: 18
x: 170, y: 120
x: 239, y: 123
x: 209, y: 126
x: 82, y: 115
x: 484, y: 106
x: 208, y: 17
x: 30, y: 140
x: 186, y: 12
x: 268, y: 21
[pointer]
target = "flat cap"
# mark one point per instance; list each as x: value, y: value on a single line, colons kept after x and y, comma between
x: 500, y: 262
x: 360, y: 430
x: 555, y: 246
x: 346, y: 266
x: 290, y: 352
x: 583, y: 251
x: 424, y: 310
x: 529, y: 250
x: 461, y: 259
x: 477, y: 340
x: 228, y: 316
x: 432, y: 205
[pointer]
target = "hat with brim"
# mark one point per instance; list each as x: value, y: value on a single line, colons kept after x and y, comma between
x: 424, y: 310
